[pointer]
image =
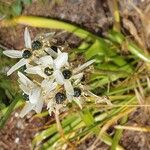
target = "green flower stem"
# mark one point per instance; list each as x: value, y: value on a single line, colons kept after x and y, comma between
x: 53, y: 129
x: 138, y: 52
x: 116, y: 16
x: 9, y: 111
x: 46, y: 23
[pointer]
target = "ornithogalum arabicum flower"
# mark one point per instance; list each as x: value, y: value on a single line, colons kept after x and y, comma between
x: 50, y: 78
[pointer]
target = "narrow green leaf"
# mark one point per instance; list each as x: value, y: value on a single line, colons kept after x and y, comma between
x: 9, y: 111
x: 118, y: 135
x: 16, y: 8
x: 87, y: 117
x: 115, y: 36
x: 97, y: 48
x: 138, y: 52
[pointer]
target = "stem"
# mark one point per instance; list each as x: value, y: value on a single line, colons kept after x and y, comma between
x: 46, y: 23
x: 118, y: 134
x: 116, y: 16
x: 8, y: 112
x: 60, y: 130
x: 113, y: 5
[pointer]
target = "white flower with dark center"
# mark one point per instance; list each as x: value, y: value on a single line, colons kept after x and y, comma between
x: 24, y: 54
x: 55, y: 70
x: 49, y: 68
x: 70, y: 78
x: 44, y: 67
x: 34, y: 93
x: 57, y: 102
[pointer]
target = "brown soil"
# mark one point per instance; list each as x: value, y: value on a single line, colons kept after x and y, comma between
x: 18, y: 133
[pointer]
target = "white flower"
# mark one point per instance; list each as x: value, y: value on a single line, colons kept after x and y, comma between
x: 34, y: 92
x: 57, y: 65
x: 57, y: 102
x: 52, y: 106
x: 75, y: 78
x: 43, y: 62
x: 48, y: 85
x: 20, y: 54
x: 47, y: 62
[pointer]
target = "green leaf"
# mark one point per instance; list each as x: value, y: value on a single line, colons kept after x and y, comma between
x: 116, y: 37
x: 118, y: 135
x: 138, y: 52
x: 88, y: 119
x: 53, y: 129
x: 16, y: 8
x: 9, y: 111
x: 98, y: 48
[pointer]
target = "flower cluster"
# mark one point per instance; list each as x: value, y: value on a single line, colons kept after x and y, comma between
x: 48, y: 77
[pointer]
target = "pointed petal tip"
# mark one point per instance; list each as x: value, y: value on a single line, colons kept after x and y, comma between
x: 13, y: 53
x: 27, y: 38
x: 9, y: 73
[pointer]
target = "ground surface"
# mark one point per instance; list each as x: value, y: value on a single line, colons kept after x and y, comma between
x: 95, y: 16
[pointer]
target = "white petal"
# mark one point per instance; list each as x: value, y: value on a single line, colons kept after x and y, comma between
x: 19, y: 64
x: 51, y: 52
x: 27, y: 108
x: 28, y: 65
x: 77, y: 76
x: 33, y: 69
x: 59, y: 52
x: 69, y: 97
x: 45, y: 61
x: 59, y: 77
x: 61, y: 60
x: 48, y: 85
x: 78, y: 102
x: 36, y: 70
x: 27, y: 38
x: 68, y: 87
x: 35, y: 95
x: 51, y: 107
x: 85, y: 65
x: 39, y: 106
x: 24, y: 80
x: 25, y: 89
x: 13, y: 53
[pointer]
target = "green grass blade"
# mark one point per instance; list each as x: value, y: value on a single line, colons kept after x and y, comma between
x: 117, y: 135
x: 9, y: 111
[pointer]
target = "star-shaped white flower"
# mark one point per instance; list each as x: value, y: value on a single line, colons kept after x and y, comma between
x: 57, y: 65
x: 76, y: 77
x: 34, y: 92
x: 43, y: 62
x: 20, y: 54
x: 56, y: 102
x: 46, y: 63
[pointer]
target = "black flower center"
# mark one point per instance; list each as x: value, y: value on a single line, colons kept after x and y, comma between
x: 36, y: 45
x: 48, y: 71
x: 67, y: 73
x: 54, y: 48
x: 25, y: 96
x: 26, y: 54
x: 77, y: 92
x: 83, y: 78
x: 60, y: 97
